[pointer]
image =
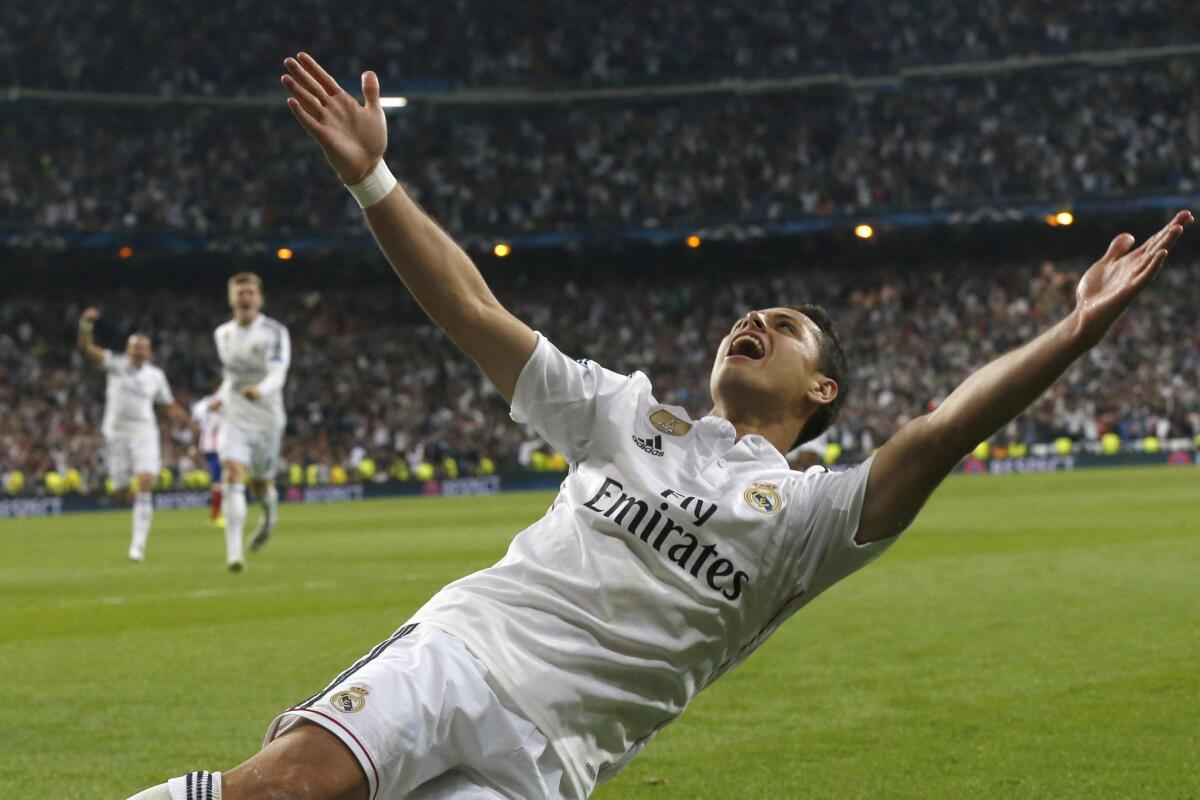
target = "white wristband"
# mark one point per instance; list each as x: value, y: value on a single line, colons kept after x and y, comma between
x: 86, y: 325
x: 373, y: 188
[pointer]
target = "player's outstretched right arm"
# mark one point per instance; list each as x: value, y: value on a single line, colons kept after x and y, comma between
x: 438, y: 273
x: 86, y: 342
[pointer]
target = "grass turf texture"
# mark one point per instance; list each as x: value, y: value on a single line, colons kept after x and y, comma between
x: 1033, y: 636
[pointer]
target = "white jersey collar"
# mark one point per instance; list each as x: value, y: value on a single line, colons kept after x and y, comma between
x: 722, y: 437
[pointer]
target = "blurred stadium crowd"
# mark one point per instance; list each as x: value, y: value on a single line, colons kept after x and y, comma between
x: 371, y: 379
x: 459, y: 43
x: 710, y: 160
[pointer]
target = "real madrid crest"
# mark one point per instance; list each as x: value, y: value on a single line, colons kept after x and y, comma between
x: 668, y: 423
x: 764, y: 497
x: 350, y: 700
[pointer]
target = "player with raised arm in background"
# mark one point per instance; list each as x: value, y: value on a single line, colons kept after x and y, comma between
x: 131, y: 445
x: 675, y: 545
x: 255, y: 352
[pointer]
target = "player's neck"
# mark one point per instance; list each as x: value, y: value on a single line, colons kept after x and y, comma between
x: 245, y: 323
x: 779, y: 431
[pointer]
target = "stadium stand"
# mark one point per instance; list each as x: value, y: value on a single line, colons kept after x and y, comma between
x: 571, y: 43
x: 371, y: 379
x: 950, y: 143
x: 882, y: 127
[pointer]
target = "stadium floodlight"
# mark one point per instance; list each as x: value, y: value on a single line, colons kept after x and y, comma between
x: 1064, y: 217
x: 393, y: 102
x: 692, y: 241
x: 125, y: 252
x: 501, y: 250
x: 864, y: 231
x: 284, y: 254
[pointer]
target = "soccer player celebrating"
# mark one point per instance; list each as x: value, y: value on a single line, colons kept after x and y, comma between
x: 255, y: 351
x: 674, y: 548
x: 130, y: 428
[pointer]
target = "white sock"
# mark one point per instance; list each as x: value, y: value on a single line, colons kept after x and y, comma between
x: 233, y: 507
x: 143, y: 512
x: 195, y: 786
x: 160, y: 792
x: 270, y: 503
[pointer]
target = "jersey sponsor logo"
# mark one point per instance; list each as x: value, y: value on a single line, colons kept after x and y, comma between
x: 764, y: 497
x: 651, y: 446
x: 668, y: 423
x: 350, y: 701
x: 659, y: 531
x: 700, y: 509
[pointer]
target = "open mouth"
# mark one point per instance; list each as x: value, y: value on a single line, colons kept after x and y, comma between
x: 747, y: 345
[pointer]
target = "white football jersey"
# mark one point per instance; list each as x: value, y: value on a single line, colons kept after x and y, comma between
x: 257, y: 354
x: 208, y: 421
x: 129, y: 397
x: 672, y: 551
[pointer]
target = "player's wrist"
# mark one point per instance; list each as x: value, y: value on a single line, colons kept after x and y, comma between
x: 86, y: 325
x: 378, y: 184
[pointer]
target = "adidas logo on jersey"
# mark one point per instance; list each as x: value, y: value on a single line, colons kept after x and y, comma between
x: 651, y: 446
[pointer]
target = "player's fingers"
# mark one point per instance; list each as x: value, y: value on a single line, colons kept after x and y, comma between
x: 1161, y: 242
x: 370, y: 88
x: 304, y: 98
x: 327, y: 82
x: 1120, y: 246
x: 303, y: 117
x: 1146, y: 274
x: 306, y: 79
x: 1156, y: 241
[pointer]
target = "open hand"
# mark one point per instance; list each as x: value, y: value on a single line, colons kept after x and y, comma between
x: 352, y: 136
x: 1112, y: 283
x: 90, y: 315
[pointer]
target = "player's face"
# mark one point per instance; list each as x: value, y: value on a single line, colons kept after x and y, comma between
x: 246, y: 300
x: 138, y: 349
x: 768, y: 362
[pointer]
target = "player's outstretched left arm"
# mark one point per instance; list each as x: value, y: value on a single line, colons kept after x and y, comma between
x: 436, y: 271
x: 86, y: 341
x: 913, y: 462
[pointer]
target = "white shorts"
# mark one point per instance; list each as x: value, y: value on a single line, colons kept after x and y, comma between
x: 127, y: 456
x: 256, y: 448
x: 420, y: 717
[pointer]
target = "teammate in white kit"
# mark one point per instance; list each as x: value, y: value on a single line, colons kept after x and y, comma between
x: 674, y: 548
x: 255, y: 352
x: 131, y: 446
x: 206, y: 413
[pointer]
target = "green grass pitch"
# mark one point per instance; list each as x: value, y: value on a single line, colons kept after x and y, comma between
x: 1033, y: 636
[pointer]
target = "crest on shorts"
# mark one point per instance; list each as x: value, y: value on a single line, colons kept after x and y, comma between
x: 668, y: 423
x: 764, y: 497
x: 350, y: 700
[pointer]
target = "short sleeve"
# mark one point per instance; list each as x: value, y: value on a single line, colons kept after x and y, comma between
x: 826, y: 507
x: 561, y: 398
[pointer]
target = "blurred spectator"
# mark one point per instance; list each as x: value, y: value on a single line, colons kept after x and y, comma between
x: 372, y: 379
x: 236, y: 46
x: 1031, y: 136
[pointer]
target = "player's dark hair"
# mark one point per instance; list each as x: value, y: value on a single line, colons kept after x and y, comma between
x: 831, y: 362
